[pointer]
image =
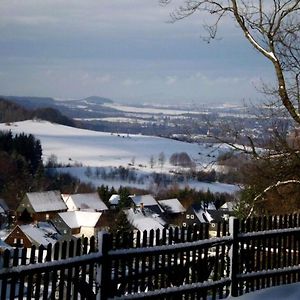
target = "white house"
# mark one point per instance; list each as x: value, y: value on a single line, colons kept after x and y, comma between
x: 80, y: 223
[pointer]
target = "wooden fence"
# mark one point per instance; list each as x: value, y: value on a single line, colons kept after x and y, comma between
x: 180, y: 263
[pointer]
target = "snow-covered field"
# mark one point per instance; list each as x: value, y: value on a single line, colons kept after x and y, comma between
x: 76, y: 146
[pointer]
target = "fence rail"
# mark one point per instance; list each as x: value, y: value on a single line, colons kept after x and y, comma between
x: 180, y: 263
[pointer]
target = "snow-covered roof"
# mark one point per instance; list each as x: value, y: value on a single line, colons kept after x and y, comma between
x: 203, y: 215
x: 86, y: 201
x: 147, y: 200
x: 46, y: 201
x: 43, y: 235
x: 3, y: 206
x: 228, y: 206
x: 77, y: 219
x: 114, y: 199
x: 4, y: 246
x: 144, y: 220
x: 172, y: 205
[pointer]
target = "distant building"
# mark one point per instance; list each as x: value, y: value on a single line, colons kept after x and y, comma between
x: 84, y: 202
x: 78, y: 223
x: 144, y: 219
x: 114, y: 200
x: 40, y: 206
x: 32, y: 234
x: 146, y: 201
x: 173, y: 210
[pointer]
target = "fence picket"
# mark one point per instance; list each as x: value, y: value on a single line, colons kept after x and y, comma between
x: 160, y: 259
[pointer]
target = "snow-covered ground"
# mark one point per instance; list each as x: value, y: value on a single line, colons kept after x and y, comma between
x: 94, y: 148
x: 76, y: 146
x: 283, y: 292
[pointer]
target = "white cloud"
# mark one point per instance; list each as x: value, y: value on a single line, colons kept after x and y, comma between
x: 104, y: 78
x: 171, y: 80
x: 130, y: 82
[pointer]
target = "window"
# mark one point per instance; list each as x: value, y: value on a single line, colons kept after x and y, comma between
x: 184, y: 224
x: 187, y: 216
x: 47, y: 216
x: 21, y: 241
x: 192, y: 217
x: 15, y: 240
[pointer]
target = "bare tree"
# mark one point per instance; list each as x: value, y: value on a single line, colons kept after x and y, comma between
x: 272, y: 27
x: 161, y: 159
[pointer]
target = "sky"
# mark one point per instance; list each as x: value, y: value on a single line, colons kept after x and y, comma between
x: 126, y: 50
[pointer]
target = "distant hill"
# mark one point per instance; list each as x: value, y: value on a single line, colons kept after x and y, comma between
x: 10, y: 111
x: 31, y: 102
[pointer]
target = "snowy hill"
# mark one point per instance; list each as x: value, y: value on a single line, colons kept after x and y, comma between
x: 93, y: 148
x: 101, y: 149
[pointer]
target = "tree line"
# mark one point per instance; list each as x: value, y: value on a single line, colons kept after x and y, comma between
x: 12, y: 112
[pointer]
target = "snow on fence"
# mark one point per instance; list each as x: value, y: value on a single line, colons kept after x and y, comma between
x: 180, y: 263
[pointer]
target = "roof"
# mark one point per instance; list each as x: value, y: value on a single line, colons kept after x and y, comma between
x: 46, y: 201
x: 3, y: 206
x: 172, y: 205
x: 228, y: 206
x: 42, y: 235
x: 77, y: 219
x: 87, y: 202
x: 203, y: 215
x: 147, y: 200
x: 114, y: 199
x: 144, y: 220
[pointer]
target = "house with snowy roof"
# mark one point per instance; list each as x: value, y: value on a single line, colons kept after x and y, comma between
x: 84, y: 202
x: 173, y: 210
x: 42, y: 233
x: 114, y: 200
x: 146, y: 201
x: 144, y: 219
x: 40, y: 206
x: 78, y: 223
x: 196, y: 215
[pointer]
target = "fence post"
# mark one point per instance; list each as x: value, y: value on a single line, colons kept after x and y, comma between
x: 234, y: 255
x: 103, y: 272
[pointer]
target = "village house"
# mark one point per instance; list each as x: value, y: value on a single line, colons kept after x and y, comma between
x: 195, y: 215
x: 78, y: 223
x: 40, y: 206
x: 173, y: 210
x: 85, y: 202
x: 144, y: 219
x: 146, y: 201
x: 114, y: 201
x: 42, y: 233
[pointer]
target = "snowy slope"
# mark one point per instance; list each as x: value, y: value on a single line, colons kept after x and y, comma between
x: 76, y: 146
x: 93, y: 148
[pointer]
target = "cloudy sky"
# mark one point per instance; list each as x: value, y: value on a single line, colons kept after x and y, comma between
x: 125, y: 50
